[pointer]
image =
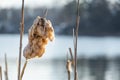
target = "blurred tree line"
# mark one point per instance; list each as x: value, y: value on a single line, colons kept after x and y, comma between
x: 97, y: 18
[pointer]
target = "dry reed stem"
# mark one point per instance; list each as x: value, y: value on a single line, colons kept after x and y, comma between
x: 0, y: 73
x: 76, y: 37
x: 45, y: 13
x: 23, y: 69
x: 71, y: 54
x: 6, y: 68
x: 69, y: 64
x: 21, y: 36
x: 68, y: 67
x: 68, y: 75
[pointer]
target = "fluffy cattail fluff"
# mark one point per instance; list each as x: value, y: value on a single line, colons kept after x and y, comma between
x: 38, y: 36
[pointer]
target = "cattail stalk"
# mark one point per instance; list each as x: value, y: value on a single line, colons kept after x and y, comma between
x: 69, y: 67
x: 23, y: 69
x: 21, y: 36
x: 70, y: 50
x: 45, y: 13
x: 76, y: 38
x: 69, y: 64
x: 68, y: 71
x: 6, y: 68
x: 0, y: 73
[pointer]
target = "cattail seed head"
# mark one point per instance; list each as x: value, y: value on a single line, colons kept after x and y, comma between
x: 69, y: 66
x: 38, y: 36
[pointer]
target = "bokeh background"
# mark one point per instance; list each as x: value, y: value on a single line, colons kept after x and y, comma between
x: 98, y: 41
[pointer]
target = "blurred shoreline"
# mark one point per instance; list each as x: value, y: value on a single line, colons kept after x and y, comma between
x: 97, y: 18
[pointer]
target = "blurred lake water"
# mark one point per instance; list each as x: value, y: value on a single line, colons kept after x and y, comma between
x: 99, y: 68
x: 87, y: 46
x: 98, y: 58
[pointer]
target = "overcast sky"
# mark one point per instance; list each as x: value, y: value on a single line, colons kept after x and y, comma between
x: 33, y: 3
